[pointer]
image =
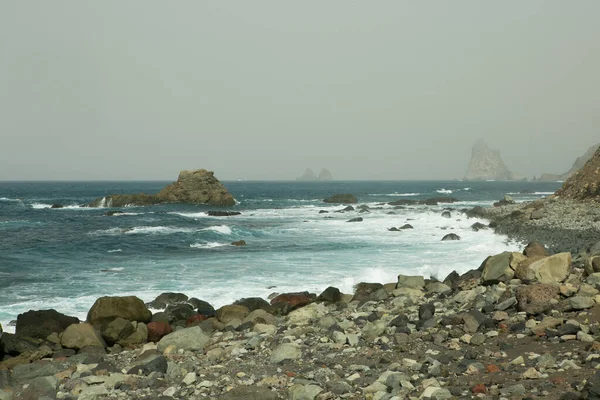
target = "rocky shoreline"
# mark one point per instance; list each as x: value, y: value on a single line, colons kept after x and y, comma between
x: 523, y: 325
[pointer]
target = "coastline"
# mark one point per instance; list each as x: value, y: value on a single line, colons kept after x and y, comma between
x: 483, y: 334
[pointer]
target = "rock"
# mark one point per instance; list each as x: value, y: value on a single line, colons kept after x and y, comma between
x: 325, y: 175
x: 369, y: 292
x: 165, y: 299
x: 306, y: 315
x: 426, y: 311
x: 346, y: 209
x: 14, y: 345
x: 112, y: 213
x: 406, y: 226
x: 193, y: 339
x: 179, y: 312
x: 580, y: 303
x: 536, y: 299
x: 497, y: 269
x: 41, y: 388
x: 56, y: 206
x: 117, y: 329
x: 553, y: 269
x: 451, y: 236
x: 107, y: 308
x: 446, y: 214
x: 304, y: 392
x: 157, y: 330
x: 413, y: 282
x: 486, y: 164
x: 139, y: 336
x: 40, y: 324
x: 249, y: 393
x: 239, y: 243
x: 341, y: 199
x: 285, y: 351
x: 357, y: 219
x: 260, y: 316
x: 437, y: 287
x: 293, y: 300
x: 472, y: 320
x: 147, y: 364
x: 78, y: 336
x: 584, y: 184
x: 223, y: 213
x: 253, y: 303
x: 535, y: 249
x: 202, y: 307
x: 331, y: 295
x: 592, y: 265
x: 229, y: 313
x: 477, y: 226
x: 192, y: 187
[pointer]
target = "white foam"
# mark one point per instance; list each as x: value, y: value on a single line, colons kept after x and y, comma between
x: 40, y: 206
x: 10, y: 200
x: 190, y: 215
x: 445, y: 191
x: 163, y: 230
x: 395, y: 194
x: 115, y: 269
x: 114, y: 251
x: 222, y: 229
x: 209, y: 245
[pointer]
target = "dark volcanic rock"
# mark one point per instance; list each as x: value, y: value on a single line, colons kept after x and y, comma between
x: 111, y: 213
x: 254, y: 303
x: 477, y: 226
x: 164, y: 299
x: 40, y: 324
x: 192, y: 187
x: 179, y: 312
x: 446, y: 214
x: 406, y: 226
x: 357, y: 219
x: 331, y: 294
x: 223, y: 213
x: 341, y: 198
x: 56, y: 206
x: 239, y: 243
x: 451, y: 236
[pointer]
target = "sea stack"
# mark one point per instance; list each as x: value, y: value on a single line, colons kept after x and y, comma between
x: 308, y: 175
x: 192, y: 187
x: 486, y: 164
x: 325, y: 175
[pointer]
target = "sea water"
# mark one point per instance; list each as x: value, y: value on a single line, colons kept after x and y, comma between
x: 65, y: 258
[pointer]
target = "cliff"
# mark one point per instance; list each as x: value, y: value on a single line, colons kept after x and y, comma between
x: 585, y: 183
x: 192, y: 187
x: 577, y: 165
x: 486, y: 164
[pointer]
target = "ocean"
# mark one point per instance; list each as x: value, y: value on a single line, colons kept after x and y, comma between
x: 65, y: 258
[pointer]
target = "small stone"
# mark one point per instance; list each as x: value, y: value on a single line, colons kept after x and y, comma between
x: 585, y: 337
x: 170, y: 391
x: 189, y: 378
x: 518, y: 361
x: 532, y: 373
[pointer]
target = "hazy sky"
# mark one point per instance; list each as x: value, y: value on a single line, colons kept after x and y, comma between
x: 264, y: 89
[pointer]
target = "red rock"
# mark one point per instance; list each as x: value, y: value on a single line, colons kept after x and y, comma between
x: 558, y: 380
x: 293, y: 299
x: 290, y: 374
x: 195, y: 319
x: 480, y: 388
x: 492, y: 368
x: 156, y: 330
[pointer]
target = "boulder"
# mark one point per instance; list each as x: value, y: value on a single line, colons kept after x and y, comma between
x: 40, y: 324
x: 535, y: 249
x: 580, y: 303
x: 149, y: 363
x: 553, y: 269
x: 364, y: 292
x: 307, y: 314
x: 107, y: 308
x: 139, y: 336
x: 446, y: 214
x: 239, y: 243
x: 223, y: 213
x: 14, y: 345
x: 165, y: 299
x: 179, y: 312
x: 193, y: 339
x: 331, y: 295
x: 592, y: 265
x: 413, y: 282
x: 341, y: 199
x: 260, y: 316
x: 78, y: 336
x: 254, y: 303
x: 537, y: 299
x: 477, y: 226
x: 203, y: 307
x: 192, y: 187
x: 249, y: 393
x: 346, y: 209
x: 157, y: 330
x: 357, y: 219
x: 117, y: 329
x: 451, y: 236
x: 294, y: 300
x: 285, y: 351
x: 500, y: 268
x: 229, y: 313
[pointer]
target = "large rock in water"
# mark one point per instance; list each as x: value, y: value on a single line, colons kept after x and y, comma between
x: 486, y: 164
x: 585, y: 183
x: 107, y: 308
x: 40, y: 324
x: 325, y: 175
x: 192, y: 187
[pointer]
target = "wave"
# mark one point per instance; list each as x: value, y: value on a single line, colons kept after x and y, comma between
x: 11, y: 200
x: 445, y: 191
x: 153, y: 230
x: 190, y: 214
x: 209, y: 245
x: 222, y: 229
x: 116, y: 269
x: 395, y: 194
x: 42, y: 206
x: 114, y: 251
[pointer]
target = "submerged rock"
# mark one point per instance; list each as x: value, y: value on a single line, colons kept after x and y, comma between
x: 451, y: 236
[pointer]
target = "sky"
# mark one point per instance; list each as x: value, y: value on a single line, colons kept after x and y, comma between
x: 141, y: 89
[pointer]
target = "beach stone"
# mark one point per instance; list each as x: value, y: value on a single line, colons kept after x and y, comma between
x: 107, y: 308
x: 78, y: 336
x: 412, y: 282
x: 44, y: 387
x: 265, y: 328
x: 594, y: 280
x: 580, y: 303
x: 147, y: 364
x: 305, y: 315
x: 369, y: 292
x: 497, y: 269
x: 165, y: 299
x: 40, y: 324
x: 179, y: 312
x: 202, y: 307
x: 553, y: 269
x: 357, y: 219
x: 437, y: 287
x: 535, y: 249
x: 195, y: 320
x: 477, y: 226
x: 426, y: 311
x: 546, y: 324
x: 117, y: 329
x: 285, y: 351
x: 592, y: 264
x: 450, y: 236
x: 253, y: 303
x: 473, y: 320
x: 331, y: 294
x: 139, y: 336
x: 406, y: 226
x: 260, y: 316
x: 249, y: 393
x: 293, y: 300
x: 546, y: 361
x: 228, y: 313
x: 193, y: 339
x: 157, y: 330
x: 304, y: 392
x: 536, y: 299
x: 13, y: 345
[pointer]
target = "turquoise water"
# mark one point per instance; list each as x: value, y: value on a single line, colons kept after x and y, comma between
x: 66, y: 258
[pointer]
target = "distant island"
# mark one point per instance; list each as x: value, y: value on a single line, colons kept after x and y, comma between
x: 309, y: 175
x: 486, y: 164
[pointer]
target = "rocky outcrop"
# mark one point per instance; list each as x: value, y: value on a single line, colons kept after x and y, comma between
x: 192, y: 187
x: 308, y: 175
x: 577, y: 165
x: 486, y: 164
x: 585, y: 183
x: 325, y: 175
